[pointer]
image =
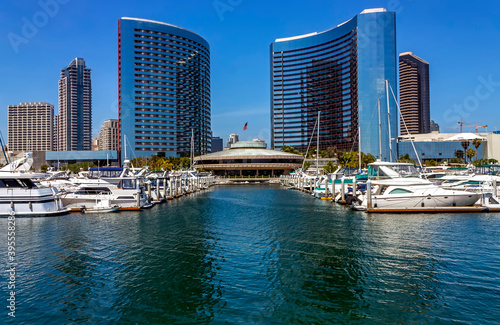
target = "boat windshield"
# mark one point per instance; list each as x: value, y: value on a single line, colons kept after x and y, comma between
x: 17, y: 183
x: 127, y: 183
x: 392, y: 171
x: 93, y: 191
x: 105, y: 172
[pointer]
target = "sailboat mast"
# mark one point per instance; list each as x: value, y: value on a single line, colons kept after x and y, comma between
x: 317, y: 147
x: 388, y: 118
x: 379, y: 132
x: 192, y: 148
x: 125, y: 144
x: 359, y: 146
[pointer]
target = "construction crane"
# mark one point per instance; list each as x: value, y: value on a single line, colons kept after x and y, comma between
x: 477, y: 126
x: 458, y: 127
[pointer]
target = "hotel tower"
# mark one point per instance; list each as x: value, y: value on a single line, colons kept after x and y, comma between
x: 414, y: 94
x: 74, y: 120
x: 341, y: 73
x: 163, y: 89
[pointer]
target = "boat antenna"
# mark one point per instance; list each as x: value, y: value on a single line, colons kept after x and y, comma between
x: 406, y: 128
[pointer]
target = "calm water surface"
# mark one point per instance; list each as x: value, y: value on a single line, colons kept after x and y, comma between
x: 255, y: 254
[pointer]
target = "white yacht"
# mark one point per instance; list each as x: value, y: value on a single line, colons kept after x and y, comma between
x: 127, y: 195
x: 20, y: 196
x: 407, y: 193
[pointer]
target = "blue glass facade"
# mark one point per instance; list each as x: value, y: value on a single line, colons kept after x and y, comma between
x: 164, y: 89
x: 437, y: 150
x: 342, y: 73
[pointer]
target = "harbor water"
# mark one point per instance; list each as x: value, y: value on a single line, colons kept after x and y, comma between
x: 254, y: 254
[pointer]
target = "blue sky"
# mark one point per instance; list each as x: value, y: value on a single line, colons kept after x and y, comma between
x: 460, y: 40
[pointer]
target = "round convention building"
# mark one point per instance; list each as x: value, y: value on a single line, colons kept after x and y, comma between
x: 248, y: 159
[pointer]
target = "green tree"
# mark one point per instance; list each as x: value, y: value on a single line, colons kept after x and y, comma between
x: 44, y: 168
x: 476, y: 143
x: 459, y: 154
x: 76, y: 168
x: 307, y: 164
x: 406, y: 159
x: 367, y: 158
x: 331, y: 152
x: 329, y: 167
x: 431, y: 162
x: 470, y: 153
x: 465, y: 144
x: 290, y: 149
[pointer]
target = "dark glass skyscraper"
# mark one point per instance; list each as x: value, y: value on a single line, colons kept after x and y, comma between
x: 74, y: 119
x: 341, y: 73
x: 414, y: 94
x: 164, y: 88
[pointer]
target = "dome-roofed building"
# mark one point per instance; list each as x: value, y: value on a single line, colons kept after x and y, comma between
x: 249, y: 158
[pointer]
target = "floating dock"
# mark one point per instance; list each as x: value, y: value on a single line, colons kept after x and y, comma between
x: 429, y: 209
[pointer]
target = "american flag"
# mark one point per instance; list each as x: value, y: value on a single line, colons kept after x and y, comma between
x: 246, y: 126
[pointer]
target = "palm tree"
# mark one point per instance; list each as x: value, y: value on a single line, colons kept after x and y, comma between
x: 307, y: 164
x: 476, y: 143
x: 329, y: 167
x: 470, y: 153
x: 465, y: 144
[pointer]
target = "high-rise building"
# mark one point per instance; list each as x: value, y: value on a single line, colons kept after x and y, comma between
x: 31, y: 127
x: 74, y: 121
x: 434, y: 126
x: 233, y: 138
x: 164, y: 88
x: 95, y: 144
x: 414, y: 96
x: 108, y: 137
x: 342, y: 74
x: 217, y: 144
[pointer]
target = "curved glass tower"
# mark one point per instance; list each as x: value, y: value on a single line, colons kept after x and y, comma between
x: 163, y: 89
x: 342, y: 74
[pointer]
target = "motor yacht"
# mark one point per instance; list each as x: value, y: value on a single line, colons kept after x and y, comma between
x: 406, y: 193
x: 19, y: 195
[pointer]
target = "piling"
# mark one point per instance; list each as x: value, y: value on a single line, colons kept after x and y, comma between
x: 368, y: 194
x: 342, y: 190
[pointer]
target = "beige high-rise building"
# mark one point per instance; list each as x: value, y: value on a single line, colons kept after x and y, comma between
x: 95, y: 144
x: 74, y: 121
x: 108, y: 137
x: 414, y: 96
x: 31, y: 127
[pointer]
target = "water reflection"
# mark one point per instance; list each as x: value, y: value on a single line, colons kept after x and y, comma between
x: 257, y: 254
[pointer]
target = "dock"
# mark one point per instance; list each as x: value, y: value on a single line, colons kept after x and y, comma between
x: 429, y: 209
